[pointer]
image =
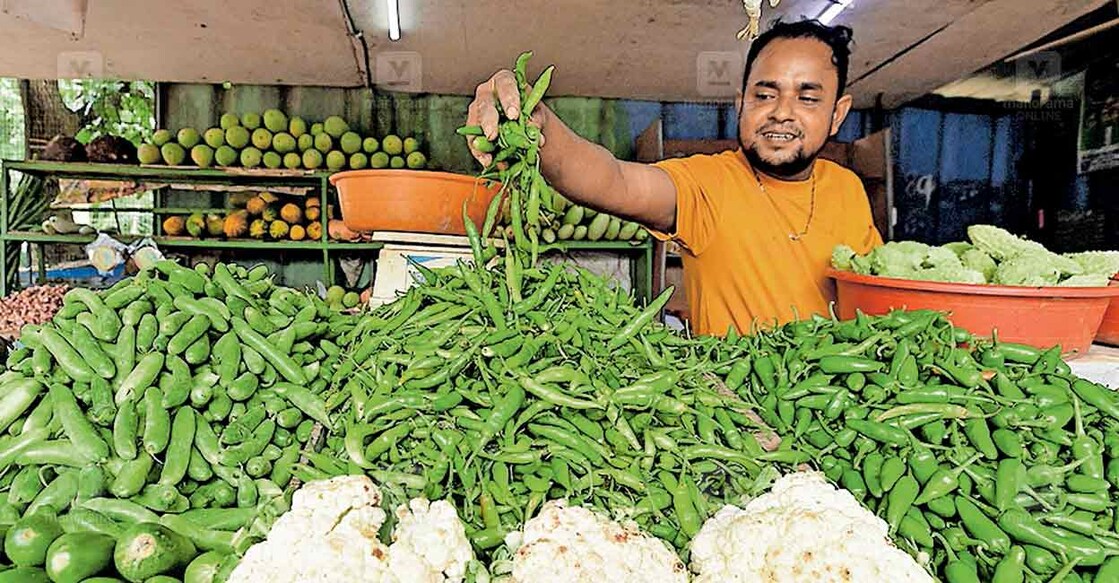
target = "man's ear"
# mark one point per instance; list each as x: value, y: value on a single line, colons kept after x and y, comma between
x: 842, y: 108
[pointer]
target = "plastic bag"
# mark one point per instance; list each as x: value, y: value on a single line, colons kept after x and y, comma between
x: 105, y: 253
x: 144, y: 253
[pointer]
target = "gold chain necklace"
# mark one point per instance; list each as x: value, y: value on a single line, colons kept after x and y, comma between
x: 811, y: 207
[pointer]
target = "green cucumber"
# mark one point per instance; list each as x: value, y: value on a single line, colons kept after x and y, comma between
x: 77, y: 556
x: 613, y: 229
x: 27, y: 541
x: 147, y: 550
x: 24, y: 575
x: 598, y: 227
x: 204, y: 568
x: 574, y: 215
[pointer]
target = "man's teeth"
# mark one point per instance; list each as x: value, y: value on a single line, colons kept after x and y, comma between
x: 780, y: 137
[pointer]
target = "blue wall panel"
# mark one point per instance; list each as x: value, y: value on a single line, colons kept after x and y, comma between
x: 952, y: 170
x: 641, y: 114
x: 965, y: 148
x: 691, y: 121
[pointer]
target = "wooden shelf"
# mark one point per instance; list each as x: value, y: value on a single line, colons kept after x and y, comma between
x: 168, y: 173
x: 33, y: 237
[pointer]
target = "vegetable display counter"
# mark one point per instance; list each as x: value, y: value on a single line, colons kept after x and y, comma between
x: 182, y: 408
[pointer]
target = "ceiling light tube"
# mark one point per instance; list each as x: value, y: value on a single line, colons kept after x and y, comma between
x: 831, y: 12
x: 394, y: 19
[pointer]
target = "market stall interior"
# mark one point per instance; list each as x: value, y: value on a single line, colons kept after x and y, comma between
x: 303, y: 314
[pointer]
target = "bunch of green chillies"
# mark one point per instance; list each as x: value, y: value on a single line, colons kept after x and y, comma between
x: 516, y: 163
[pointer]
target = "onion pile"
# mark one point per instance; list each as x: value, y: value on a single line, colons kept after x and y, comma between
x: 33, y: 305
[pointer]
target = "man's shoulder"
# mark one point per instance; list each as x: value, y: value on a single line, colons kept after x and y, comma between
x: 841, y: 178
x: 836, y: 171
x: 728, y: 158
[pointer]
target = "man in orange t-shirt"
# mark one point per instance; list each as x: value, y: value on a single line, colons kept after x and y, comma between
x: 757, y: 224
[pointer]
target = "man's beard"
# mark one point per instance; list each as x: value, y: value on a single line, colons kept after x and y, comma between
x: 795, y: 167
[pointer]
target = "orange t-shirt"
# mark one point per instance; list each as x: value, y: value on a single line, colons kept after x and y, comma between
x: 740, y: 265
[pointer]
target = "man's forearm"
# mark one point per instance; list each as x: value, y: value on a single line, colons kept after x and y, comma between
x: 591, y: 176
x: 585, y: 172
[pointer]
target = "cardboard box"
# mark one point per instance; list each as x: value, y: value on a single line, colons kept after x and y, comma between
x: 396, y: 268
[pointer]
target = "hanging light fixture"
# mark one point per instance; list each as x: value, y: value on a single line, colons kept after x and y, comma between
x: 831, y: 12
x: 394, y: 19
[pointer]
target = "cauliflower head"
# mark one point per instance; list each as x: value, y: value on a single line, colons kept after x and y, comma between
x: 563, y: 544
x: 429, y: 543
x: 803, y: 529
x: 330, y: 535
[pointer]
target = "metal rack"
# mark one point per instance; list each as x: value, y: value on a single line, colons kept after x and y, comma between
x: 164, y: 178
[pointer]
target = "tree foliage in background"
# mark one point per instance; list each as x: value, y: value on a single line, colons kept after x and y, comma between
x: 119, y: 108
x: 11, y: 120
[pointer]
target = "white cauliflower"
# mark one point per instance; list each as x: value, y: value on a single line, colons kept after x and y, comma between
x: 565, y: 544
x: 330, y: 535
x: 429, y: 543
x: 802, y: 530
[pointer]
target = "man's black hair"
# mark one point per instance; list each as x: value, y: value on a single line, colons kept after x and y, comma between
x: 837, y: 38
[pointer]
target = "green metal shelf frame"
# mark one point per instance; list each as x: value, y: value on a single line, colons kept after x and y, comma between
x: 642, y: 254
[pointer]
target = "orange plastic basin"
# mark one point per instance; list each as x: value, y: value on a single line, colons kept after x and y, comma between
x: 1109, y: 330
x: 1043, y: 317
x: 413, y: 201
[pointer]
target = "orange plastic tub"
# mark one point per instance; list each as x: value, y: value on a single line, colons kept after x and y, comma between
x: 413, y: 201
x: 1109, y: 330
x: 1043, y: 317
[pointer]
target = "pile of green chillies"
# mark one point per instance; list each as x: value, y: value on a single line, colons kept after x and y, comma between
x: 502, y: 388
x: 990, y: 458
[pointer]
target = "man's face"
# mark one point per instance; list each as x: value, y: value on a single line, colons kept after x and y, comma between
x: 790, y: 107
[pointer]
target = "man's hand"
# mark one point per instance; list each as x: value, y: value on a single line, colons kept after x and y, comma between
x: 499, y: 91
x: 584, y: 172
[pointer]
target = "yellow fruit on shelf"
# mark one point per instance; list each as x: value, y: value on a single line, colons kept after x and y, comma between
x: 340, y: 232
x: 174, y: 226
x: 269, y: 197
x: 313, y: 214
x: 196, y: 225
x: 278, y: 230
x: 314, y: 231
x: 236, y: 224
x: 256, y: 206
x: 257, y: 229
x: 297, y: 233
x: 291, y: 213
x: 313, y: 201
x: 240, y: 199
x: 215, y: 225
x: 270, y: 214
